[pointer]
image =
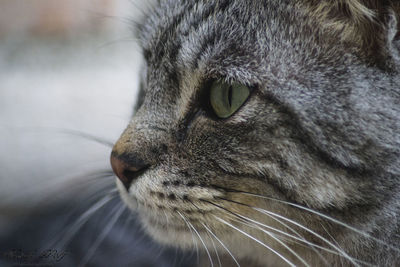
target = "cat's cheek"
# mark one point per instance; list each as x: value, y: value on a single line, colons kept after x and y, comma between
x: 130, y: 201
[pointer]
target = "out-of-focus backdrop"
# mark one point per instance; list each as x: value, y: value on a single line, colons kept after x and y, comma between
x: 65, y: 65
x: 68, y: 75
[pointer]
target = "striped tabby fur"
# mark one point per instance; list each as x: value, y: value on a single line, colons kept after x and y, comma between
x: 307, y: 172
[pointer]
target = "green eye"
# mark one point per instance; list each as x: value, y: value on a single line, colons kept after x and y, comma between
x: 227, y: 98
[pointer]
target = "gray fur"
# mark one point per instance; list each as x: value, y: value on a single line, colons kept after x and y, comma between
x: 321, y: 129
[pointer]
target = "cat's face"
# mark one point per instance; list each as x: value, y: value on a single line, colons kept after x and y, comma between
x: 313, y: 130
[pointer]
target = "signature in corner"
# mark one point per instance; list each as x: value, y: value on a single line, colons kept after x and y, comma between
x: 33, y: 256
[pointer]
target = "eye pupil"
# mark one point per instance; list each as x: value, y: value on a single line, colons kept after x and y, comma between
x: 226, y: 99
x: 230, y: 96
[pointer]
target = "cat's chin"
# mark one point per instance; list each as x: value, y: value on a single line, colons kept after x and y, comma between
x: 171, y: 235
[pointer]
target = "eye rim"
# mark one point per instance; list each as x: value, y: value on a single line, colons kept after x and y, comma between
x: 207, y: 97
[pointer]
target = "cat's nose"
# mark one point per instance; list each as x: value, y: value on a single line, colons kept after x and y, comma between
x: 127, y: 168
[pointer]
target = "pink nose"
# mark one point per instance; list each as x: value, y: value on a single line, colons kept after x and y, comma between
x: 127, y: 170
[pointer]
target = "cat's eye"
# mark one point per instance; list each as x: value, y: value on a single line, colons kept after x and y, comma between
x: 227, y: 98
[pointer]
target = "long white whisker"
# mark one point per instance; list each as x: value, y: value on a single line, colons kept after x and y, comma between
x: 310, y: 231
x: 204, y: 244
x: 325, y: 217
x: 300, y: 239
x: 83, y: 219
x: 338, y: 251
x: 103, y: 234
x: 166, y: 217
x: 303, y: 240
x: 277, y: 240
x: 334, y: 240
x: 160, y: 252
x: 125, y: 225
x: 249, y: 222
x: 191, y: 232
x: 222, y: 244
x: 256, y: 240
x: 276, y: 230
x: 215, y: 249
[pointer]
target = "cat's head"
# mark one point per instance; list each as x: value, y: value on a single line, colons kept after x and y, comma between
x: 257, y: 114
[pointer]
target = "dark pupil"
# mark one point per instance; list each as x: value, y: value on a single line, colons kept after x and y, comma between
x: 230, y: 96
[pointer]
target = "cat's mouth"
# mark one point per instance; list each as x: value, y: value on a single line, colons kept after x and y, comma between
x: 178, y: 219
x: 174, y: 227
x: 164, y: 209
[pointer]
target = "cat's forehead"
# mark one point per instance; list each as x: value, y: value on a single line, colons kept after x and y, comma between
x: 250, y: 42
x: 172, y: 24
x: 184, y: 34
x: 162, y: 15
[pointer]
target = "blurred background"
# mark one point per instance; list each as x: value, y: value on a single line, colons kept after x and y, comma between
x: 68, y: 82
x: 64, y: 65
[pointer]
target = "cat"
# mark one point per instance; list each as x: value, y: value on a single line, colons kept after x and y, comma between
x: 268, y: 131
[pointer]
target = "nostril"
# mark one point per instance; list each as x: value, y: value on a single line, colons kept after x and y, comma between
x: 130, y: 175
x: 127, y: 168
x: 133, y: 175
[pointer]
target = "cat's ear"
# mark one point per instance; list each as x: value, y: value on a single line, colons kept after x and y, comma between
x: 373, y: 25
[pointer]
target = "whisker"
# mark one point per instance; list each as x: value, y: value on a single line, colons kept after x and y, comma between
x: 222, y: 244
x: 204, y: 244
x: 337, y: 222
x: 334, y: 240
x: 301, y: 239
x: 175, y: 256
x: 128, y: 39
x: 215, y: 249
x: 166, y: 216
x: 160, y: 252
x: 210, y: 238
x: 338, y: 251
x: 280, y: 231
x: 53, y: 189
x: 242, y: 217
x: 125, y: 226
x: 263, y: 211
x: 110, y: 17
x: 313, y: 212
x: 256, y: 240
x: 279, y: 241
x: 249, y: 222
x: 103, y: 234
x: 78, y: 133
x: 191, y: 232
x: 191, y: 202
x: 310, y: 231
x: 83, y: 219
x: 95, y: 174
x: 88, y: 136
